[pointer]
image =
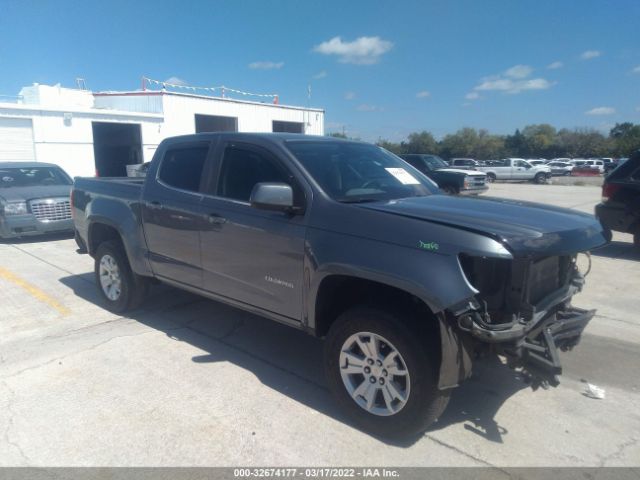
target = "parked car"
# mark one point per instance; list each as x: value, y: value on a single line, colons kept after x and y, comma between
x: 589, y: 164
x: 516, y: 169
x: 344, y: 240
x: 619, y: 209
x: 560, y: 168
x: 561, y: 159
x: 34, y: 199
x: 450, y: 180
x: 464, y: 163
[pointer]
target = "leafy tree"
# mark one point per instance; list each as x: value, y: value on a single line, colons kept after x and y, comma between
x: 391, y: 146
x: 422, y: 142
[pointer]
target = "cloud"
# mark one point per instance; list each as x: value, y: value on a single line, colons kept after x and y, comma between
x: 362, y: 51
x: 266, y: 65
x: 518, y: 71
x: 555, y: 65
x: 508, y: 85
x: 176, y: 81
x: 589, y: 54
x: 423, y: 94
x: 513, y: 80
x: 319, y: 75
x: 601, y: 111
x: 636, y: 69
x: 368, y: 108
x: 349, y: 95
x: 472, y: 96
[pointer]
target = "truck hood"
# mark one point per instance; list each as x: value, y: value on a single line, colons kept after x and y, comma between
x: 462, y: 172
x: 17, y: 194
x: 525, y: 228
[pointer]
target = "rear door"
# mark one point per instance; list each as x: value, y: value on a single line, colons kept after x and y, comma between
x: 251, y: 255
x: 171, y: 212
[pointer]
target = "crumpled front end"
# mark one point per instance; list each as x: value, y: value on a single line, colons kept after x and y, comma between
x: 523, y: 311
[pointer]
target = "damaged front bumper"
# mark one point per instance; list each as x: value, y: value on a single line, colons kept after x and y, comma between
x: 528, y: 334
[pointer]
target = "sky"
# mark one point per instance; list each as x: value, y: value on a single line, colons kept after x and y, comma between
x: 380, y: 69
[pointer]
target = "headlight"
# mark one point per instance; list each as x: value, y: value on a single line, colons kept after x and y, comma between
x: 15, y: 208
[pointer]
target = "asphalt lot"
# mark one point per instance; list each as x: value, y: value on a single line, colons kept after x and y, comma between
x: 187, y: 381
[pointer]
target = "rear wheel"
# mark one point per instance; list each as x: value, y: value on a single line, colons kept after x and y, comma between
x: 382, y: 374
x: 119, y: 286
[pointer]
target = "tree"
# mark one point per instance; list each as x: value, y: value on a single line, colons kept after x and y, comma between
x: 422, y: 142
x: 391, y: 146
x: 625, y: 139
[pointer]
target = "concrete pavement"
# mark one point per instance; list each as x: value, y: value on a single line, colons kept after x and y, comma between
x: 187, y: 381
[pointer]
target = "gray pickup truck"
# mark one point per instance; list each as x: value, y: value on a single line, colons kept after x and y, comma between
x: 346, y: 241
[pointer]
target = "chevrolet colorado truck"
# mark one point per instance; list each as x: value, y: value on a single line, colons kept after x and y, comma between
x: 346, y: 241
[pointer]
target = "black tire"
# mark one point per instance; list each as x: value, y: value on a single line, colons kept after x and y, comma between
x: 450, y: 190
x: 133, y: 288
x: 607, y: 233
x: 540, y: 178
x: 425, y: 402
x: 636, y: 239
x: 491, y: 177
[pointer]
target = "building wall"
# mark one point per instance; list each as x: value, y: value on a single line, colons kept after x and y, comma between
x: 62, y: 133
x: 179, y: 112
x: 69, y: 143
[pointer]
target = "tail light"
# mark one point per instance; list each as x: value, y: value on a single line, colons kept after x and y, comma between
x: 609, y: 190
x: 73, y: 213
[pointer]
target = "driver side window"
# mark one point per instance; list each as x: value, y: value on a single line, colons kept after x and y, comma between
x: 242, y: 168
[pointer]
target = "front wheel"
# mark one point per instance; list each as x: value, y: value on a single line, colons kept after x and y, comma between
x: 540, y: 178
x: 491, y: 177
x: 382, y: 373
x: 450, y: 190
x: 120, y: 287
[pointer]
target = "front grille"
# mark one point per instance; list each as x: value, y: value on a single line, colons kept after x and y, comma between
x: 477, y: 181
x: 544, y: 278
x: 51, y: 209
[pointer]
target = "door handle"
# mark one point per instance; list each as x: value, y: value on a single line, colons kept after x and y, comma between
x: 216, y: 219
x: 155, y: 205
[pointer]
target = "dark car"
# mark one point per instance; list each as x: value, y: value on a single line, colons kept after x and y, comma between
x: 620, y: 207
x: 34, y: 199
x: 450, y: 180
x: 346, y: 241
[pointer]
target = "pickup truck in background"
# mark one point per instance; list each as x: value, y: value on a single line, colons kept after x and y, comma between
x: 515, y: 169
x: 344, y: 240
x: 464, y: 163
x: 450, y: 180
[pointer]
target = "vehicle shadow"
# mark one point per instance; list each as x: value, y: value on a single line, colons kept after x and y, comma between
x: 290, y: 361
x: 49, y: 237
x: 618, y: 250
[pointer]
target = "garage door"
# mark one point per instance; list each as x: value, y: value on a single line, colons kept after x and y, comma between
x: 16, y: 140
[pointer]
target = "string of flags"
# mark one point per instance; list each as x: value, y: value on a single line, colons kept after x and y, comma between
x: 221, y: 89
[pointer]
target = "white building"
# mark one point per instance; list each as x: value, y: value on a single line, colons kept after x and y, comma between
x: 86, y: 132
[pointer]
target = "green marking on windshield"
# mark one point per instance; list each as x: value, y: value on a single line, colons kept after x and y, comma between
x: 431, y: 246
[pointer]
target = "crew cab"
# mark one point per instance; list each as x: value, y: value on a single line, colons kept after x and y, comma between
x: 450, y: 180
x: 515, y: 169
x: 346, y: 241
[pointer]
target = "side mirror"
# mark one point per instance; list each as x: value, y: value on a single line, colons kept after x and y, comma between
x: 272, y: 196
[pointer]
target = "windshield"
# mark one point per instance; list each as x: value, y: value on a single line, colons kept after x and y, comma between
x: 435, y: 162
x: 32, y: 177
x: 354, y: 172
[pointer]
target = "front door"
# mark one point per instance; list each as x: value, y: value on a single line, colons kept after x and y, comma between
x: 254, y: 256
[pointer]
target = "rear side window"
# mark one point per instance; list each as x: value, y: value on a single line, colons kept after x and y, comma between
x: 242, y: 168
x: 182, y: 167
